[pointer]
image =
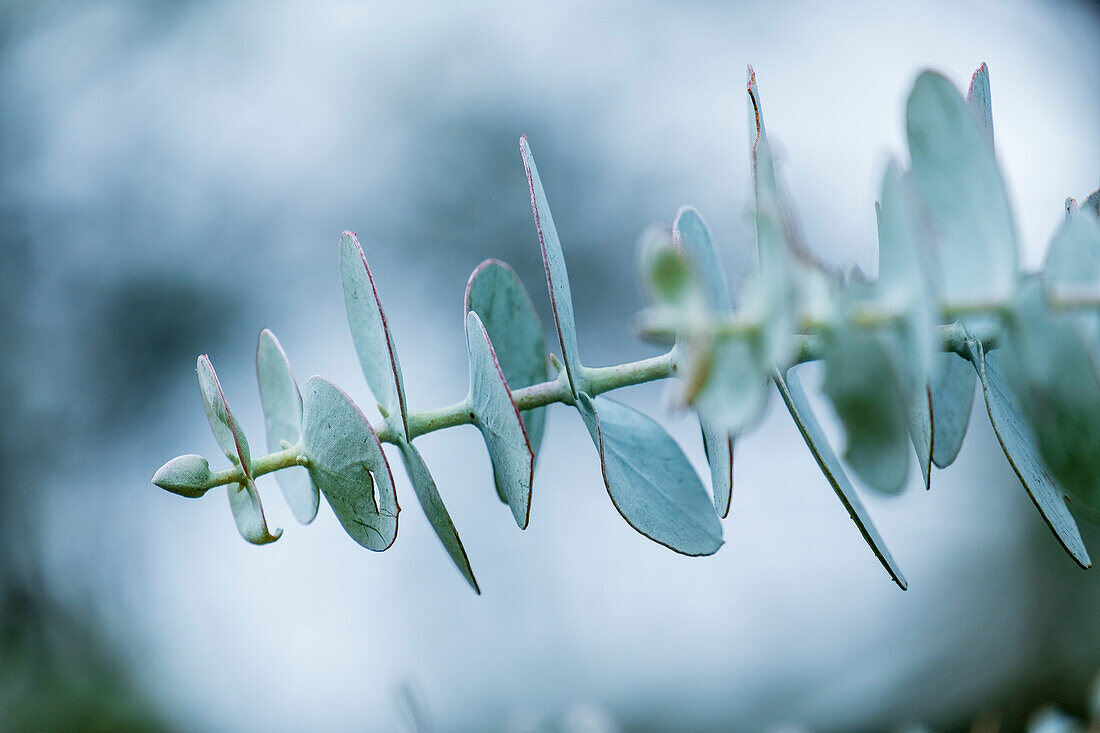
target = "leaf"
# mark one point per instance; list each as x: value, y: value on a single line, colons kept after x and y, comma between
x: 248, y: 513
x: 557, y: 278
x: 1053, y: 377
x: 496, y: 294
x: 863, y: 388
x: 790, y: 387
x: 1019, y: 446
x: 187, y: 475
x: 952, y: 391
x: 1092, y: 203
x: 282, y: 405
x: 226, y: 431
x: 693, y: 236
x: 977, y: 99
x: 432, y: 503
x: 495, y: 415
x: 958, y: 177
x: 244, y: 500
x: 650, y: 480
x: 371, y: 335
x: 347, y: 464
x: 919, y: 410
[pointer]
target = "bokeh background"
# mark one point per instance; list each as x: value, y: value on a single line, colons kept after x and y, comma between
x: 175, y: 176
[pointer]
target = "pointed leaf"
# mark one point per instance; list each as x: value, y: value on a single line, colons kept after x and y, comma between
x: 248, y: 513
x: 977, y: 98
x: 1019, y: 446
x: 371, y: 335
x: 347, y: 464
x: 958, y: 177
x: 920, y: 430
x: 790, y: 387
x: 693, y: 237
x: 226, y: 431
x: 282, y: 405
x: 1053, y: 377
x: 557, y: 279
x: 952, y: 390
x: 495, y: 415
x: 498, y: 297
x: 432, y: 503
x: 651, y: 482
x: 244, y: 500
x: 718, y: 447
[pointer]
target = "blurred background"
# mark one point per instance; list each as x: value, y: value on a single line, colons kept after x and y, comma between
x: 174, y: 177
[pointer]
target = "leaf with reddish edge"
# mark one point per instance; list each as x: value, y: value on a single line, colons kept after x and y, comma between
x: 371, y: 335
x: 282, y: 403
x: 557, y: 278
x: 692, y: 236
x: 427, y: 493
x: 495, y: 415
x: 977, y: 98
x: 346, y: 462
x: 794, y: 396
x: 650, y: 480
x: 1021, y: 449
x: 244, y: 500
x: 496, y: 294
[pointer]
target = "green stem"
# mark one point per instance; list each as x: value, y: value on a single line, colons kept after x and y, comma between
x: 596, y: 380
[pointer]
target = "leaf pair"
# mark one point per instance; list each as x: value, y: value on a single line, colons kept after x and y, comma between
x: 777, y: 237
x: 339, y: 448
x: 649, y: 479
x: 378, y: 359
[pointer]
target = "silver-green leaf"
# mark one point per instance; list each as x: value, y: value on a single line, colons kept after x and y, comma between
x: 244, y: 499
x: 1021, y: 448
x: 794, y: 397
x: 694, y: 239
x: 495, y: 415
x: 346, y: 462
x: 557, y: 278
x: 650, y: 480
x: 863, y: 388
x: 496, y: 294
x: 977, y: 98
x: 951, y: 387
x: 371, y: 335
x: 282, y: 404
x: 958, y: 178
x: 432, y: 503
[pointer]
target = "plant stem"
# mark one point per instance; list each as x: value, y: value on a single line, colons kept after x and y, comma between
x: 595, y: 380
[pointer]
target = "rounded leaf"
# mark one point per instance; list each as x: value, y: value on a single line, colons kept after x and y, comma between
x: 282, y: 404
x: 650, y: 480
x: 958, y: 178
x: 495, y: 415
x: 496, y: 294
x: 347, y: 464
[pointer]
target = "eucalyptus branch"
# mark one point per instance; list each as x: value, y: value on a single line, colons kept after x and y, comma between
x: 902, y: 355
